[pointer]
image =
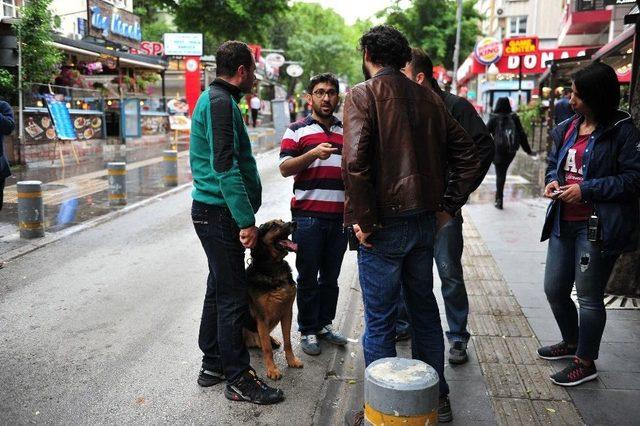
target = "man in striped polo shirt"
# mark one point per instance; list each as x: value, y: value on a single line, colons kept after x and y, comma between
x: 311, y: 152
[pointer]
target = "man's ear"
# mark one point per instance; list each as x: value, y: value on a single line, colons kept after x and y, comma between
x: 367, y: 57
x: 420, y: 78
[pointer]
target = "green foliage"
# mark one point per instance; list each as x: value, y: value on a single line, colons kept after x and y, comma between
x: 7, y: 83
x: 431, y: 24
x: 35, y: 29
x: 155, y: 18
x: 529, y: 114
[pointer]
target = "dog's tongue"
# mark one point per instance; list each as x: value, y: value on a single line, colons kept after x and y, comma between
x: 289, y: 245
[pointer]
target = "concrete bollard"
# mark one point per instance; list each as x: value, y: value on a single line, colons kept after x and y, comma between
x: 30, y: 209
x: 399, y: 391
x: 170, y: 167
x: 117, y: 173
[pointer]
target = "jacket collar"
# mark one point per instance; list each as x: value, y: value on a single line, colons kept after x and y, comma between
x: 233, y: 90
x: 387, y: 71
x: 618, y: 118
x: 309, y: 120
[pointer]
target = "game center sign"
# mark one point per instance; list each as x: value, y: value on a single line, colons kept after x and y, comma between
x: 488, y: 51
x: 520, y: 46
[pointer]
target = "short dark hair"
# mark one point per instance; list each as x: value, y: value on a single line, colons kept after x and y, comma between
x: 230, y: 55
x: 386, y: 46
x: 503, y: 106
x: 421, y: 62
x: 599, y: 89
x: 323, y: 78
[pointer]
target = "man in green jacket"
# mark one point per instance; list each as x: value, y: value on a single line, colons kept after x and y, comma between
x: 226, y: 195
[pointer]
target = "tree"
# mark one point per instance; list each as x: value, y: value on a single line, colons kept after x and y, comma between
x: 35, y: 29
x: 154, y: 18
x: 431, y: 24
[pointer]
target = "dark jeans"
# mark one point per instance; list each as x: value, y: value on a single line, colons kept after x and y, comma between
x: 321, y: 247
x: 2, y: 181
x: 571, y: 257
x: 254, y: 116
x: 402, y: 252
x: 501, y: 175
x: 448, y: 259
x: 226, y: 308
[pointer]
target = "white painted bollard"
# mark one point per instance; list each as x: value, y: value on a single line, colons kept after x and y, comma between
x: 117, y: 173
x: 170, y: 167
x: 399, y: 391
x: 30, y: 209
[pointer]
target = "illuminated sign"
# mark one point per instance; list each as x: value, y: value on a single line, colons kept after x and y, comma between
x: 520, y: 46
x: 488, y: 50
x: 183, y: 44
x: 113, y: 24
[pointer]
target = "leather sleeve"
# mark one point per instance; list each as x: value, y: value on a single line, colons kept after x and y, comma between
x: 463, y: 164
x: 357, y: 160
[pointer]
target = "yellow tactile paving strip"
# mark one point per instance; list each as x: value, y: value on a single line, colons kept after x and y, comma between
x: 517, y: 380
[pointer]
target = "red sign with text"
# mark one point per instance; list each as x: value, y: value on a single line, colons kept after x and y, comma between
x: 520, y: 46
x: 533, y: 63
x: 192, y: 81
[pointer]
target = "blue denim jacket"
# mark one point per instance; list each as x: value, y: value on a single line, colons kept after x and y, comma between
x: 611, y: 179
x: 6, y: 127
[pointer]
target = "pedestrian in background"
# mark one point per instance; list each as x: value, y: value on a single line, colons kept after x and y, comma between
x: 593, y: 179
x: 404, y: 158
x: 449, y: 242
x: 293, y: 109
x: 7, y: 125
x: 508, y: 136
x: 562, y: 109
x: 311, y: 151
x: 255, y: 104
x: 226, y: 195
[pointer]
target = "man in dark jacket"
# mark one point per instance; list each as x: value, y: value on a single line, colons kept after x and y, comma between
x: 399, y: 143
x: 562, y: 109
x: 7, y: 125
x: 449, y: 241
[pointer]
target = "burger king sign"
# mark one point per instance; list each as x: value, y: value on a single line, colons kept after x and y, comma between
x: 488, y: 50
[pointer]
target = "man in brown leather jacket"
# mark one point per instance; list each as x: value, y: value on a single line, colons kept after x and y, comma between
x: 404, y: 158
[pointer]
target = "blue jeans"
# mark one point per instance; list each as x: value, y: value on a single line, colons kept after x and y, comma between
x: 402, y: 256
x: 321, y: 246
x: 448, y: 259
x: 226, y: 303
x: 572, y: 258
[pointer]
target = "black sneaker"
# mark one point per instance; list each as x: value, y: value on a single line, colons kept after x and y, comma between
x: 558, y: 351
x: 251, y: 389
x: 208, y: 378
x: 444, y: 410
x: 575, y: 374
x: 354, y: 418
x: 458, y: 353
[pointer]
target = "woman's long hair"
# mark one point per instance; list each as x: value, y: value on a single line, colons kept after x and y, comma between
x: 598, y: 87
x: 503, y: 106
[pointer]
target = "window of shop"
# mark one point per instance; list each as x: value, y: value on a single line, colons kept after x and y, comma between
x: 8, y: 8
x: 517, y: 26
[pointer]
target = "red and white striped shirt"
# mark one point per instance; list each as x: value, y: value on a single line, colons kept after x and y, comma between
x: 318, y: 191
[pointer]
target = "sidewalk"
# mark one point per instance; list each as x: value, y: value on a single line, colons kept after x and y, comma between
x: 78, y: 193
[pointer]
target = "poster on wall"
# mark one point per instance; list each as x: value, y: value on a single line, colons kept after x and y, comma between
x: 61, y: 117
x: 130, y: 118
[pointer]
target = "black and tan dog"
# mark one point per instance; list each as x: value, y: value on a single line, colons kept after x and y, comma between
x: 272, y: 292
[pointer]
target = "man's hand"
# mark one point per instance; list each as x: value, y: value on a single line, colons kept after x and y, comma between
x: 548, y: 190
x: 362, y: 236
x: 572, y: 194
x: 249, y: 237
x: 442, y: 218
x: 323, y: 151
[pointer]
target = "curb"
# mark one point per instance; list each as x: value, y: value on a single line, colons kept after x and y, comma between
x: 33, y: 245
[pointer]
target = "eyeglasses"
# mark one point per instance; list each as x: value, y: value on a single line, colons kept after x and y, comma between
x: 320, y: 93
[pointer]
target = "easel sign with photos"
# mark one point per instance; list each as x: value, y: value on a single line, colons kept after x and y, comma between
x: 65, y: 132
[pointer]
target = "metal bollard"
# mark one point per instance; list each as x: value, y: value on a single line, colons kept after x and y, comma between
x: 170, y: 167
x: 399, y: 391
x: 30, y: 209
x: 117, y: 173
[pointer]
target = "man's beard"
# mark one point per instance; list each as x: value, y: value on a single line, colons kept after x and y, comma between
x: 317, y: 109
x: 365, y: 71
x: 246, y: 85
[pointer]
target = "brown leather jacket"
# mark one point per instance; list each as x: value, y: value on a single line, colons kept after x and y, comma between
x: 399, y: 142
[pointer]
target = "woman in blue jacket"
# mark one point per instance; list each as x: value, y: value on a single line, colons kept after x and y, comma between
x: 593, y: 179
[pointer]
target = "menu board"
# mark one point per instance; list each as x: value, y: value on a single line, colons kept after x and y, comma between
x: 39, y: 127
x: 179, y: 122
x: 61, y: 118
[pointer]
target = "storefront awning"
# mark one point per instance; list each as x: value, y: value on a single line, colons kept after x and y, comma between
x: 90, y: 49
x: 618, y: 54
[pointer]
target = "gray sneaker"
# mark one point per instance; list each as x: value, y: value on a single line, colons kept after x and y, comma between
x: 458, y: 353
x: 327, y: 333
x: 309, y: 345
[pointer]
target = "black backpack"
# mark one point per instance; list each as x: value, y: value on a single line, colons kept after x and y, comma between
x: 506, y: 135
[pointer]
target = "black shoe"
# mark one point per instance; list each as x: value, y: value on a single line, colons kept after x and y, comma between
x: 575, y: 374
x: 498, y: 204
x: 458, y: 353
x: 209, y: 378
x: 558, y: 351
x: 251, y: 389
x: 354, y: 418
x: 444, y: 410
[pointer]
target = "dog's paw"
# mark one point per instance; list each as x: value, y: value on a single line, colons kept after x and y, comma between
x: 274, y: 373
x: 295, y: 363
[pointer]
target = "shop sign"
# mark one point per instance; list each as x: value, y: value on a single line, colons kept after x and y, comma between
x: 616, y: 2
x: 294, y: 70
x: 192, y: 79
x: 113, y: 24
x: 274, y: 60
x: 488, y: 50
x: 149, y: 48
x: 183, y: 44
x: 531, y: 64
x: 520, y: 46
